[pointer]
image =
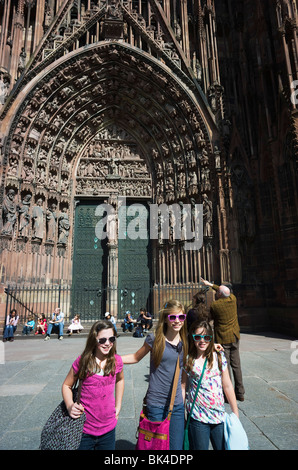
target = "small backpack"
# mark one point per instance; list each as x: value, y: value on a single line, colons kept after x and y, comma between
x: 138, y: 332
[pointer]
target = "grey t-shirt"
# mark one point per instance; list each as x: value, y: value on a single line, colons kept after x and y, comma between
x: 161, y: 379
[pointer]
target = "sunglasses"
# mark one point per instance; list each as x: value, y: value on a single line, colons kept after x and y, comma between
x: 112, y: 340
x: 173, y: 317
x: 206, y: 338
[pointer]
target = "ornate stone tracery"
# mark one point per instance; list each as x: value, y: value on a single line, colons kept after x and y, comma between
x: 108, y: 122
x: 108, y: 105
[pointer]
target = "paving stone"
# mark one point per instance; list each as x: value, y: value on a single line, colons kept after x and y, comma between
x: 34, y: 370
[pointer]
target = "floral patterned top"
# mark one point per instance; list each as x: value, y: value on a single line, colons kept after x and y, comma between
x: 209, y: 407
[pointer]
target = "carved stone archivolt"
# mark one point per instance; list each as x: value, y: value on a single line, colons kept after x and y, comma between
x: 108, y: 121
x: 63, y: 112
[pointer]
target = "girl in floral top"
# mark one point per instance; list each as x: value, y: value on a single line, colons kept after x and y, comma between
x: 207, y: 420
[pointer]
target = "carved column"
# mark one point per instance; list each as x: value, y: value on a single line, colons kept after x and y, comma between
x: 4, y: 27
x: 198, y: 265
x: 175, y: 265
x: 223, y: 233
x: 112, y: 298
x: 112, y: 281
x: 185, y: 34
x: 167, y: 9
x: 181, y: 262
x: 17, y: 40
x: 162, y: 265
x: 214, y: 71
x: 287, y: 57
x: 186, y: 264
x: 235, y: 257
x: 40, y: 7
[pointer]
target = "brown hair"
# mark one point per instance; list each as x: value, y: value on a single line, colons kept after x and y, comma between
x: 88, y: 364
x: 172, y: 306
x: 200, y: 307
x: 192, y: 355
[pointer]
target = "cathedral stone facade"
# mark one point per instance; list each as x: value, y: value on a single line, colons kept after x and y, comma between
x: 150, y: 103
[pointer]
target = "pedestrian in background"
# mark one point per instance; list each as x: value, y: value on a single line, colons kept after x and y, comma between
x: 198, y: 310
x: 227, y: 331
x: 41, y: 326
x: 56, y: 322
x: 29, y: 326
x: 111, y: 318
x: 128, y: 323
x: 145, y: 318
x: 75, y: 325
x: 11, y: 326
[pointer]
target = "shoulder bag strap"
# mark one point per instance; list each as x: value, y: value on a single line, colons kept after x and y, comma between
x: 173, y: 395
x: 175, y: 383
x: 196, y: 394
x: 79, y: 391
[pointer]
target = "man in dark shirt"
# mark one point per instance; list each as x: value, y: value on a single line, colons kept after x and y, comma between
x: 226, y: 330
x: 146, y: 319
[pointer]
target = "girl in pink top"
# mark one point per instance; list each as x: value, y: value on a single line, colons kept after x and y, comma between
x: 101, y: 370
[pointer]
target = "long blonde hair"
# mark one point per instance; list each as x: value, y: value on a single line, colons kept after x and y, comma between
x: 172, y: 306
x: 88, y: 364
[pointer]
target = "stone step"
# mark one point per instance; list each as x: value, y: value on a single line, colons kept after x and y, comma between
x: 84, y: 333
x: 20, y: 336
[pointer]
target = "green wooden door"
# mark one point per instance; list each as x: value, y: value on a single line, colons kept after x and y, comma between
x: 89, y: 265
x: 134, y: 260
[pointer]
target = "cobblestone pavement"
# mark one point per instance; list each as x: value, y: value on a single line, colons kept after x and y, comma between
x: 32, y: 372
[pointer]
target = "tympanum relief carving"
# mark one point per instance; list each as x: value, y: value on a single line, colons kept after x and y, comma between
x: 113, y: 163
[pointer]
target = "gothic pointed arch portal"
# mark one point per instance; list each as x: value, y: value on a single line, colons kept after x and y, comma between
x: 111, y: 273
x: 108, y: 121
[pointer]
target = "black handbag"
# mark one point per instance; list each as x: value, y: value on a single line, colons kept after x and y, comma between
x: 61, y: 432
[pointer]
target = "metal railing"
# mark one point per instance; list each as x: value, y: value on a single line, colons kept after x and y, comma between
x: 33, y: 301
x: 91, y: 304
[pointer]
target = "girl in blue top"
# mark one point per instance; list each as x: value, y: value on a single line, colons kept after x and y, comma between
x: 169, y: 342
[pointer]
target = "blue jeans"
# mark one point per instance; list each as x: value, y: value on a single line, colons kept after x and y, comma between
x: 128, y: 326
x: 27, y: 330
x: 55, y: 326
x: 156, y: 413
x: 104, y: 442
x: 9, y: 331
x: 200, y: 434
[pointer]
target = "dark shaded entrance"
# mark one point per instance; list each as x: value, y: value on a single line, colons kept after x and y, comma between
x: 134, y: 259
x: 91, y: 290
x: 90, y: 260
